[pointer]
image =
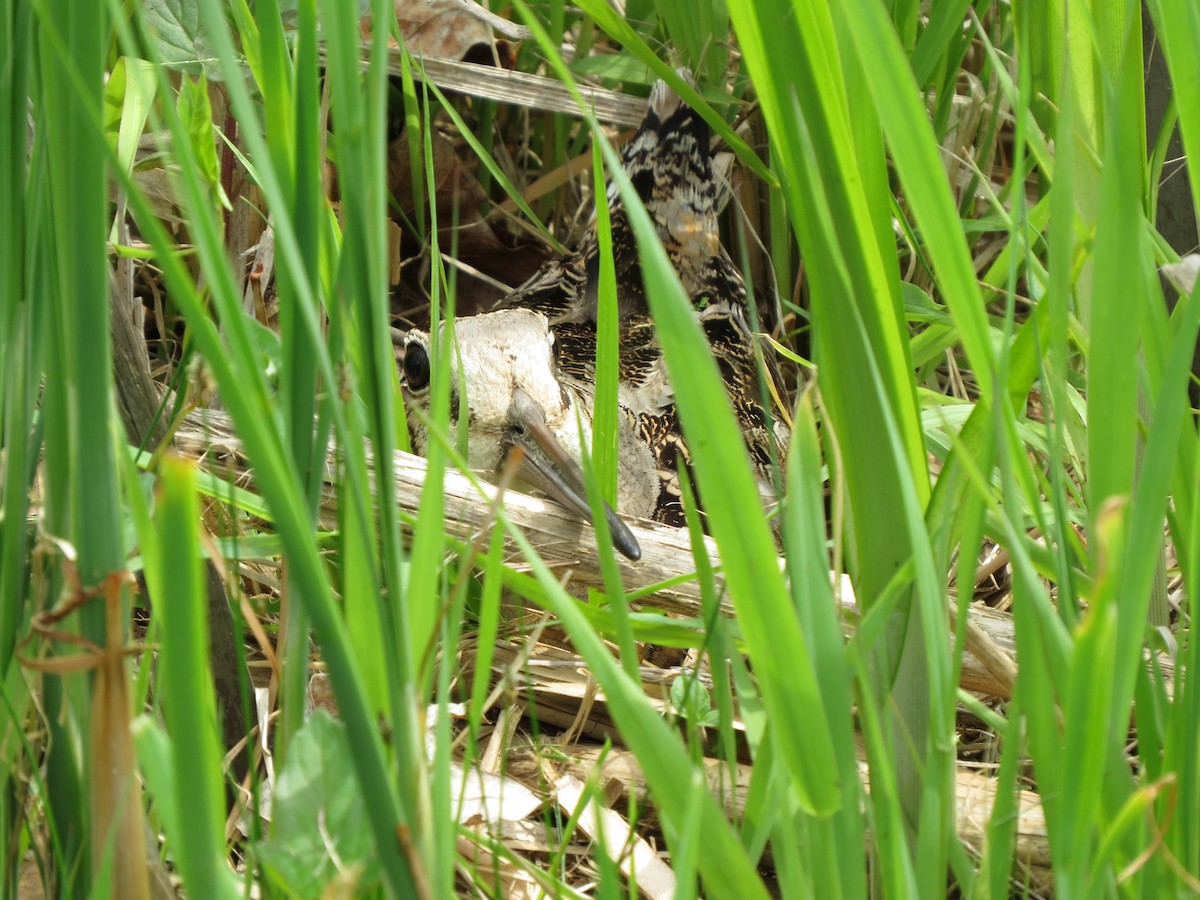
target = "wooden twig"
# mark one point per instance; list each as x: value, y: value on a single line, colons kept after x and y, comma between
x: 523, y: 89
x: 568, y: 544
x: 975, y: 796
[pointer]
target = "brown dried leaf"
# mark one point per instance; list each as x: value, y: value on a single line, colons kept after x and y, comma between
x: 454, y: 183
x: 116, y: 806
x: 445, y: 29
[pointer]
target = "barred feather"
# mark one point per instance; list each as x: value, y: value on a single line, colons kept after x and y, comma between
x: 669, y: 165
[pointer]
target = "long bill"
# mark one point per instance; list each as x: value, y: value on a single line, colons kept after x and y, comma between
x: 554, y: 471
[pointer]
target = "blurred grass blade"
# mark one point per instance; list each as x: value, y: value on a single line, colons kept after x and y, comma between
x: 743, y: 535
x: 72, y: 55
x: 724, y: 866
x: 610, y: 20
x: 185, y: 689
x: 604, y: 408
x: 803, y: 519
x: 240, y: 379
x: 836, y: 179
x: 1118, y: 295
x: 19, y: 318
x: 1177, y: 28
x: 919, y: 167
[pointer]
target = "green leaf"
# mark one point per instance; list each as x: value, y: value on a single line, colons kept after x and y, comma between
x: 747, y: 547
x: 320, y: 824
x: 196, y: 113
x: 186, y: 686
x: 690, y: 698
x: 181, y: 40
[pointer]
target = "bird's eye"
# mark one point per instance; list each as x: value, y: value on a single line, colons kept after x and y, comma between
x: 416, y: 366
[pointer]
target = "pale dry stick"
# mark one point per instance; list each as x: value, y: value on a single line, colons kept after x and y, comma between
x: 501, y: 737
x: 566, y: 542
x: 996, y: 560
x: 555, y: 178
x: 509, y: 29
x: 997, y: 661
x: 562, y: 539
x: 522, y: 89
x: 591, y: 692
x: 475, y: 273
x: 975, y: 797
x: 631, y: 853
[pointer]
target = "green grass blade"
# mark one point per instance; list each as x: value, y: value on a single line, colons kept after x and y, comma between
x: 1177, y: 27
x: 19, y: 362
x: 918, y: 164
x: 803, y: 520
x: 185, y: 689
x: 72, y: 55
x: 608, y: 19
x: 604, y: 407
x: 747, y: 547
x: 1118, y: 296
x: 236, y: 371
x: 724, y: 866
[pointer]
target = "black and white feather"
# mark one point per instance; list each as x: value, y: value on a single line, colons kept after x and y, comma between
x: 669, y: 164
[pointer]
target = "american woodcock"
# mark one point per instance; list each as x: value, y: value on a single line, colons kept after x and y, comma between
x: 505, y: 376
x: 669, y: 165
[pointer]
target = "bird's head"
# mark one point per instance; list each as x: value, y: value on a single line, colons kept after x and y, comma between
x: 492, y: 358
x: 503, y: 376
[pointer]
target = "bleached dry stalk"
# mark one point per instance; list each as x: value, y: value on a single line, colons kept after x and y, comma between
x: 975, y: 797
x: 567, y: 544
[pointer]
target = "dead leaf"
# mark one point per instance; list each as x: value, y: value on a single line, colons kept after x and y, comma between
x: 655, y: 879
x: 443, y: 29
x: 454, y: 183
x: 1183, y: 273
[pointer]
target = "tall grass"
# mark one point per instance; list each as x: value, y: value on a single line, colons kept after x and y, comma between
x: 1070, y: 446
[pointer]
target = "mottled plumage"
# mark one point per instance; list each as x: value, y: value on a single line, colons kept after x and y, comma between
x: 669, y: 165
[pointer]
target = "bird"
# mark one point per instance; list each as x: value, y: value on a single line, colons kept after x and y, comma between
x: 669, y: 166
x: 505, y: 377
